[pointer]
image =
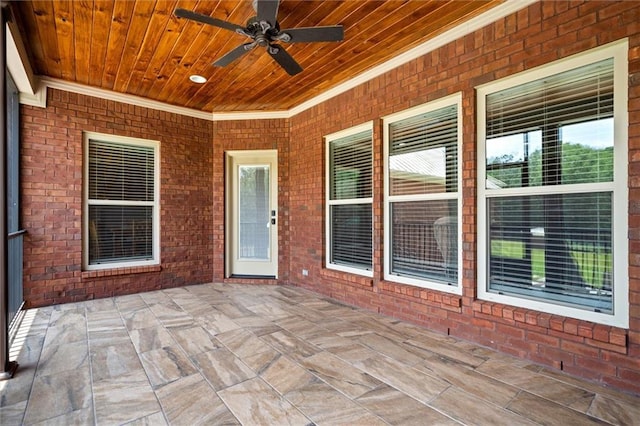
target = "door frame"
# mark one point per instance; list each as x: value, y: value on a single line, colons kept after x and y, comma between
x: 231, y: 158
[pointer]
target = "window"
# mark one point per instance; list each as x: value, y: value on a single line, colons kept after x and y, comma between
x: 552, y: 191
x: 422, y: 196
x: 121, y: 202
x: 349, y: 200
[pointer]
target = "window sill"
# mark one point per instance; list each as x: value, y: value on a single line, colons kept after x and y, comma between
x: 120, y: 271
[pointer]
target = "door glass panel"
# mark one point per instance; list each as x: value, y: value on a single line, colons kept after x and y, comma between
x: 254, y: 207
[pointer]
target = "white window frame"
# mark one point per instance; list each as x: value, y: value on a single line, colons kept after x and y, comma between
x: 328, y: 139
x: 455, y: 99
x: 86, y: 202
x: 620, y: 317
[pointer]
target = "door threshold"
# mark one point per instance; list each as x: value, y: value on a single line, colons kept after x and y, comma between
x: 255, y: 277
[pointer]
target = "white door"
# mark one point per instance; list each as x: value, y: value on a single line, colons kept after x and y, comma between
x: 252, y: 215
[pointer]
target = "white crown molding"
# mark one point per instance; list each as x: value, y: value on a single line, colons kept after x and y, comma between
x: 38, y: 99
x: 82, y: 89
x: 476, y: 23
x: 253, y: 115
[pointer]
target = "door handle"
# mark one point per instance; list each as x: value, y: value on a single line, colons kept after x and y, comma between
x: 273, y: 221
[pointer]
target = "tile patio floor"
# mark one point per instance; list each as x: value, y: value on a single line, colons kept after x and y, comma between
x: 273, y: 355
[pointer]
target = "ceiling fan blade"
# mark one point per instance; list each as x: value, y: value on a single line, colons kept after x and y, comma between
x: 303, y: 35
x: 234, y: 54
x: 284, y: 59
x: 268, y: 11
x: 204, y: 19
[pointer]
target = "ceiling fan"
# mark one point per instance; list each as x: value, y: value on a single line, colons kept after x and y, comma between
x: 264, y: 30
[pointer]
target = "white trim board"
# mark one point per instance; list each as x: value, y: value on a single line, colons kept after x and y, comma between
x: 476, y: 23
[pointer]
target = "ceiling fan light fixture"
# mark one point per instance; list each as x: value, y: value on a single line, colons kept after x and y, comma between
x: 197, y: 79
x: 264, y: 30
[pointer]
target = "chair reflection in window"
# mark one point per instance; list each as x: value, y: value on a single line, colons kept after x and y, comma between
x: 445, y: 231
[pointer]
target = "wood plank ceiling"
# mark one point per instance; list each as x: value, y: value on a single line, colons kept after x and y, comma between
x: 141, y: 48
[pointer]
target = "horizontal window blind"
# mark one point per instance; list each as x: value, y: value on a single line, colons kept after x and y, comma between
x: 120, y: 172
x: 580, y: 94
x: 121, y: 191
x: 555, y: 247
x: 350, y: 209
x: 423, y: 153
x: 424, y: 240
x: 423, y: 161
x: 350, y: 162
x: 120, y: 233
x: 351, y: 235
x: 552, y: 131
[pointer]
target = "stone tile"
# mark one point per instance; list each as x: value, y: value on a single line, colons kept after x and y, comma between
x: 329, y: 340
x: 286, y: 352
x: 153, y: 297
x: 124, y: 399
x: 170, y: 314
x: 84, y: 416
x: 303, y: 328
x: 17, y: 389
x: 165, y: 365
x: 469, y: 380
x: 340, y: 374
x: 618, y: 412
x: 98, y: 305
x: 471, y: 410
x: 592, y: 387
x: 191, y: 401
x: 58, y: 394
x: 27, y: 349
x: 397, y: 408
x: 104, y: 321
x: 151, y: 338
x: 353, y: 352
x: 155, y: 419
x: 65, y: 332
x: 543, y: 411
x: 267, y: 409
x: 216, y: 323
x: 269, y: 310
x: 565, y: 394
x: 290, y: 345
x: 140, y: 318
x: 445, y: 348
x: 111, y: 362
x: 285, y: 375
x: 222, y: 369
x: 194, y: 339
x: 390, y: 348
x: 233, y: 310
x: 325, y: 405
x: 58, y: 358
x: 243, y: 343
x: 13, y: 414
x: 414, y: 383
x: 262, y: 360
x: 117, y: 336
x: 130, y: 302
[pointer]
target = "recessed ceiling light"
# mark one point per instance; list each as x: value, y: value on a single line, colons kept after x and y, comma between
x: 198, y: 79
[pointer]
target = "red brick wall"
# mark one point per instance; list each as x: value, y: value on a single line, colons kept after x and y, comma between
x: 51, y: 185
x: 192, y: 153
x: 534, y: 36
x: 251, y: 135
